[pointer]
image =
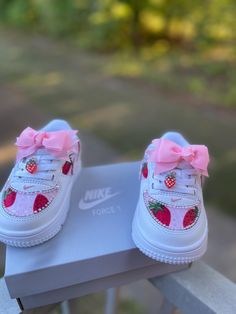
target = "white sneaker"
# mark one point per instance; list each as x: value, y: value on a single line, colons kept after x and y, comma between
x: 170, y: 223
x: 35, y: 198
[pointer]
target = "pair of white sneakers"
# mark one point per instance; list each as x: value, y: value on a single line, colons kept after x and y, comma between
x: 170, y: 223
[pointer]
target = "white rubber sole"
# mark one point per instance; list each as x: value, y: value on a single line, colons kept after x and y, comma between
x: 50, y: 230
x: 156, y: 253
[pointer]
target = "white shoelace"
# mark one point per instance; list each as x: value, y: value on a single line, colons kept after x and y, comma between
x: 46, y: 167
x: 185, y: 181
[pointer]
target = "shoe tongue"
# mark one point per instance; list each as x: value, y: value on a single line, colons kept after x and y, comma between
x: 176, y: 200
x: 41, y: 152
x: 184, y: 165
x: 33, y: 184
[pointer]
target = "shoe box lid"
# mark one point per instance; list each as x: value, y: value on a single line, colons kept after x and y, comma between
x: 94, y: 244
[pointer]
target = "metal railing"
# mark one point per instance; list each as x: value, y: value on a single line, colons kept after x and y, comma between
x: 200, y: 289
x: 197, y: 290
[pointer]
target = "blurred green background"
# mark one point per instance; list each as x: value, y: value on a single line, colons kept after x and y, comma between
x: 158, y: 39
x: 124, y: 72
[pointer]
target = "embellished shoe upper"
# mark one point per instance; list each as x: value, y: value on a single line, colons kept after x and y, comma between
x: 171, y: 177
x: 42, y: 158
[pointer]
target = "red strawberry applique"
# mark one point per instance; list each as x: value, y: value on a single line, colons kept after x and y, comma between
x: 9, y: 197
x: 145, y: 170
x: 161, y: 212
x: 66, y: 167
x: 170, y: 180
x: 31, y: 166
x: 40, y: 202
x: 190, y: 217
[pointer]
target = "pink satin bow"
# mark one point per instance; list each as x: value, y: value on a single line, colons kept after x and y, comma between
x: 168, y: 154
x: 58, y: 143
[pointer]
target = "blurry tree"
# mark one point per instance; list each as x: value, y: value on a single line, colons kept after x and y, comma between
x: 118, y: 24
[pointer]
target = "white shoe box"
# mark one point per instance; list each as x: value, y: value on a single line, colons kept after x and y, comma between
x: 94, y: 250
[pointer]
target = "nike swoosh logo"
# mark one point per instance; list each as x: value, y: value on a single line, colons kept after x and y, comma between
x: 26, y: 187
x: 88, y: 205
x: 175, y: 199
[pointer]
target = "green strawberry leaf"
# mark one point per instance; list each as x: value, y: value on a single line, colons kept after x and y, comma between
x: 4, y: 194
x: 155, y: 206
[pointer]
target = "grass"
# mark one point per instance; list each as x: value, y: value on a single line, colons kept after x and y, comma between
x: 208, y: 74
x: 128, y: 100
